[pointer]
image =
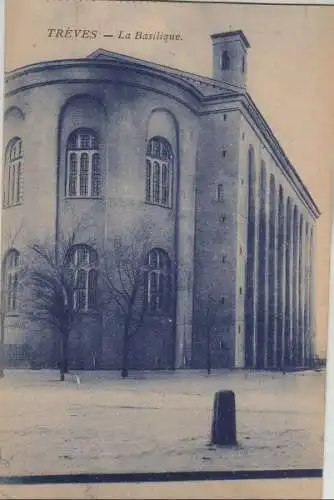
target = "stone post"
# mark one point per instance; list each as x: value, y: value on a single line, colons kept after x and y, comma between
x: 223, y: 431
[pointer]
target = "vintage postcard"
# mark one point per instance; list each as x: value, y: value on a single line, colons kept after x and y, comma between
x: 166, y: 219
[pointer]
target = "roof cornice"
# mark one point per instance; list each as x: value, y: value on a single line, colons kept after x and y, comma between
x: 102, y: 57
x: 106, y: 55
x: 245, y: 104
x: 101, y: 63
x: 284, y: 162
x: 232, y: 34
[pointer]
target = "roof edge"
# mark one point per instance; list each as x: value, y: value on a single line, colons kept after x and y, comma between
x: 278, y: 149
x: 108, y: 54
x: 101, y: 56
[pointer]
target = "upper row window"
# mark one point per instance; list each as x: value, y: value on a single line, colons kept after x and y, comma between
x: 13, y: 174
x: 159, y: 172
x: 83, y: 177
x: 83, y: 169
x: 83, y: 163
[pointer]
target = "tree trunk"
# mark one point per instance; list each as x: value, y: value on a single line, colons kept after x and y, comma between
x: 62, y: 358
x: 125, y: 356
x: 65, y: 354
x: 208, y: 359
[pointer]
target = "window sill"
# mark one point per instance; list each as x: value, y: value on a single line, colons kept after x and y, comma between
x: 88, y: 312
x: 157, y: 205
x: 4, y: 207
x: 12, y: 314
x: 83, y: 197
x: 158, y: 315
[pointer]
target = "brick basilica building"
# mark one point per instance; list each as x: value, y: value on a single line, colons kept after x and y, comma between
x: 129, y: 144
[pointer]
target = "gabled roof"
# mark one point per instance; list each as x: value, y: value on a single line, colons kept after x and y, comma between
x: 206, y: 86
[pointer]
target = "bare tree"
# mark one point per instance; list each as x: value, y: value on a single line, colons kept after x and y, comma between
x: 124, y: 267
x: 48, y: 292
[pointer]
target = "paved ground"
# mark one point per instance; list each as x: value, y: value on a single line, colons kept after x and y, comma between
x: 156, y: 422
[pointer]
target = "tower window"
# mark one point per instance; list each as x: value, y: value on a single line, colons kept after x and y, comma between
x: 243, y: 64
x: 83, y: 173
x: 159, y: 172
x: 225, y: 61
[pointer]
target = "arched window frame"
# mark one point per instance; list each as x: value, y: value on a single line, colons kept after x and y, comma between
x: 84, y: 263
x: 225, y: 62
x: 83, y: 165
x: 158, y: 283
x: 13, y: 173
x: 159, y: 172
x: 11, y: 278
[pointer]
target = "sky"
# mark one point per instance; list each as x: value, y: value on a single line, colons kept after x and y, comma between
x: 290, y: 65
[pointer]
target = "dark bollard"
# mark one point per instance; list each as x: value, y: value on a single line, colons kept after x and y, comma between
x: 223, y: 431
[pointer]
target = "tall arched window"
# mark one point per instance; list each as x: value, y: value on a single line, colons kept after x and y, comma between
x: 83, y: 172
x: 261, y: 269
x: 272, y: 274
x: 158, y: 282
x: 249, y: 318
x: 13, y: 173
x: 84, y: 261
x: 159, y: 172
x: 11, y: 268
x: 225, y: 60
